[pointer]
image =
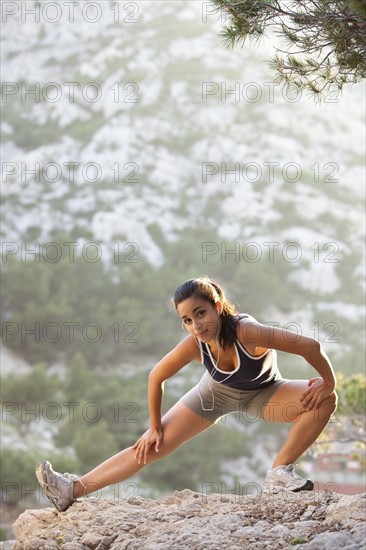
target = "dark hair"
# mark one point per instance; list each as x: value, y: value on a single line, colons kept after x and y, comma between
x: 211, y: 291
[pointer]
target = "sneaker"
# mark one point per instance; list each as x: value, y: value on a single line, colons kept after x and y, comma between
x: 57, y: 487
x: 285, y: 478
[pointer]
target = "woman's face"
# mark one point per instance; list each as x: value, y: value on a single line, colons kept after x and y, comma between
x: 200, y: 318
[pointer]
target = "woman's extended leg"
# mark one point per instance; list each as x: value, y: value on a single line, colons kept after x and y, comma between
x: 179, y: 425
x: 284, y: 406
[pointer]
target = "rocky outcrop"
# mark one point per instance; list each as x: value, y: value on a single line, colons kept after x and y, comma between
x: 308, y: 520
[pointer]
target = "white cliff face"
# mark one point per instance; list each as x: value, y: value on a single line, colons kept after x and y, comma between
x: 11, y: 362
x: 210, y: 520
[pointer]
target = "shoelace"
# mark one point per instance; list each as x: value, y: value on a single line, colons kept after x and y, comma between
x: 291, y: 468
x: 72, y: 477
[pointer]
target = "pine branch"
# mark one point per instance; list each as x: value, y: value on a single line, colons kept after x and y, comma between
x: 312, y: 27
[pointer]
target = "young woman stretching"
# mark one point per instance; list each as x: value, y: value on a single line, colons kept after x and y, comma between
x: 241, y: 376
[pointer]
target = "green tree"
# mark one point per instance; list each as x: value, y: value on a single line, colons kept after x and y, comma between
x: 17, y: 473
x: 349, y: 426
x: 123, y: 405
x: 324, y: 41
x: 52, y: 309
x: 24, y: 396
x: 78, y: 388
x: 94, y: 444
x: 79, y: 379
x: 352, y: 394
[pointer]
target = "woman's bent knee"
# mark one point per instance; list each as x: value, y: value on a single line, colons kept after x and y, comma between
x: 329, y: 405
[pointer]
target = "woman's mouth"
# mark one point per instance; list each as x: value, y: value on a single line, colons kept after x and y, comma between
x: 200, y: 334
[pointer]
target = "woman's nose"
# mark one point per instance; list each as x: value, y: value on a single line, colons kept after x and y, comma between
x: 197, y: 326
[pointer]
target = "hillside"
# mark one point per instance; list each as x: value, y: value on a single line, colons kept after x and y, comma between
x: 148, y: 153
x: 133, y: 147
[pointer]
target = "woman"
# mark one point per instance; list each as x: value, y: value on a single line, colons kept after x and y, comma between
x: 241, y: 376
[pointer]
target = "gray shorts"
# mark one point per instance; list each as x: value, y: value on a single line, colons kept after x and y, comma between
x: 213, y: 400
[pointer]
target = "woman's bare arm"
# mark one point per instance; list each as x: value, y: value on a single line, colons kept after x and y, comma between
x: 251, y: 333
x: 185, y: 352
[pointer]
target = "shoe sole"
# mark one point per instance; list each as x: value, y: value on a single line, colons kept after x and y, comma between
x: 40, y: 473
x: 42, y: 479
x: 308, y: 486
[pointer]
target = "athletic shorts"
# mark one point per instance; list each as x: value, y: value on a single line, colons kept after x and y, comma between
x: 213, y: 400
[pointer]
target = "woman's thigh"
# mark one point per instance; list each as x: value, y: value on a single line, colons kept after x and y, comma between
x: 284, y: 405
x: 179, y: 425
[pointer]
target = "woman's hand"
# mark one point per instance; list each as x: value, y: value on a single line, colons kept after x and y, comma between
x: 146, y: 441
x: 314, y: 395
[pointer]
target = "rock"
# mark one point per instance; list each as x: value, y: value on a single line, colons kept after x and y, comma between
x: 350, y: 509
x: 308, y: 512
x: 196, y: 521
x: 359, y: 534
x: 330, y: 541
x: 279, y: 532
x: 303, y: 528
x: 246, y: 533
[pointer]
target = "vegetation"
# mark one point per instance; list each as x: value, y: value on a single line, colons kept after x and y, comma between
x: 347, y: 426
x: 351, y: 427
x: 114, y: 310
x: 324, y: 41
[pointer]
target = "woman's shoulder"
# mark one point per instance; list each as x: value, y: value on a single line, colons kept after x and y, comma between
x: 246, y: 316
x: 187, y: 348
x: 244, y: 333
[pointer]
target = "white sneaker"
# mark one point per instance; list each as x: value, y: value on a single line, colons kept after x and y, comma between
x: 58, y: 488
x: 284, y: 478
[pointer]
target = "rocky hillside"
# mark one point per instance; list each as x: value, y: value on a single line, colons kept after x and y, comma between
x: 142, y: 128
x: 155, y: 147
x: 310, y: 521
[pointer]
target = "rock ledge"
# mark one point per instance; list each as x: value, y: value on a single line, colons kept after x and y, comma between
x: 308, y: 520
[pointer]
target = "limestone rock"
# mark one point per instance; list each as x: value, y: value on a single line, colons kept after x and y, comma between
x: 185, y: 519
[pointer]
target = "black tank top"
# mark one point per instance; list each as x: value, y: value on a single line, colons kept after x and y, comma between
x: 252, y: 373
